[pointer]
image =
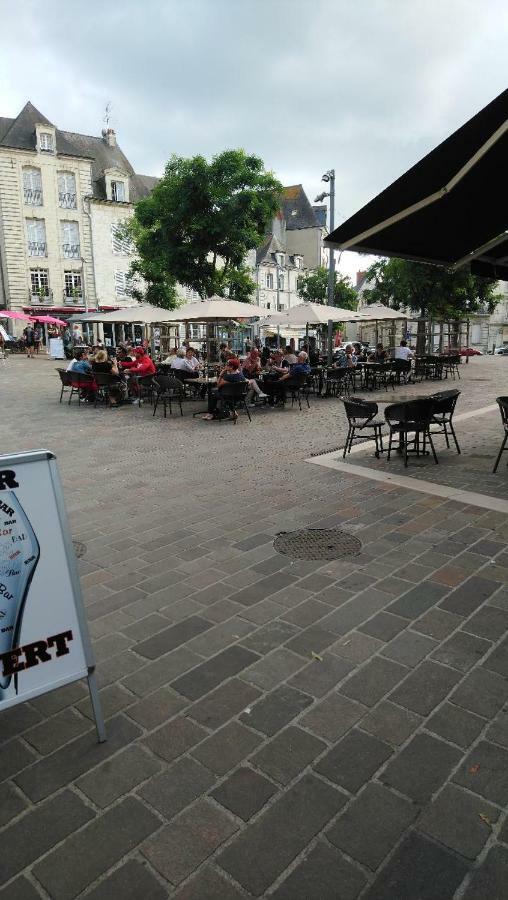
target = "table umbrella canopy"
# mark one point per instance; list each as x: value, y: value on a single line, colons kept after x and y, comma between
x: 310, y: 314
x: 377, y: 312
x: 451, y: 208
x: 142, y: 313
x: 214, y: 309
x: 12, y: 314
x: 50, y: 320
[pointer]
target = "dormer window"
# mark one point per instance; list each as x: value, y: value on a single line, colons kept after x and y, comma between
x: 118, y: 191
x: 46, y: 142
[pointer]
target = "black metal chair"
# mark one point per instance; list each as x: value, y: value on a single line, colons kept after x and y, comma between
x: 444, y: 408
x: 65, y: 379
x: 404, y: 419
x: 338, y: 382
x: 298, y: 387
x: 108, y: 385
x: 168, y: 390
x: 82, y: 384
x: 233, y: 395
x: 401, y: 370
x: 361, y: 416
x: 502, y: 402
x: 450, y: 366
x: 145, y: 387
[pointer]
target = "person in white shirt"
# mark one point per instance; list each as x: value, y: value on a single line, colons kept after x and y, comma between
x: 179, y: 361
x: 403, y: 351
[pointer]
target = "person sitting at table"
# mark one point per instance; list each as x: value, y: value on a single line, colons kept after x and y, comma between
x: 277, y: 389
x: 80, y: 363
x: 230, y: 374
x: 379, y: 355
x: 403, y: 351
x: 346, y: 360
x: 290, y: 358
x: 252, y: 364
x: 276, y: 364
x: 143, y: 364
x: 101, y: 363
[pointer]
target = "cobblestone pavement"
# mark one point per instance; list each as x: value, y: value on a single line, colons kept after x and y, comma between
x: 276, y: 728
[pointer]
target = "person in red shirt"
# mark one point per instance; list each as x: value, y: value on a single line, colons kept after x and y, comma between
x: 143, y: 366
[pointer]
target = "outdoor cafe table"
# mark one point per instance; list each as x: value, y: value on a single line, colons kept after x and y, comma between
x: 210, y: 383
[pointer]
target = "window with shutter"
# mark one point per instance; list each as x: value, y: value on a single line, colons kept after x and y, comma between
x: 70, y: 240
x: 66, y: 190
x: 118, y: 191
x: 122, y: 246
x: 269, y: 280
x: 36, y: 237
x: 123, y: 284
x: 39, y: 283
x: 32, y: 187
x: 46, y: 142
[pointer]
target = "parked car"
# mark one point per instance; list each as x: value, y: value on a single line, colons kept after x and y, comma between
x: 471, y: 351
x: 501, y: 351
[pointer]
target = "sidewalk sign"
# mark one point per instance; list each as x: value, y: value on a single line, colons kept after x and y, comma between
x: 44, y: 639
x: 56, y: 348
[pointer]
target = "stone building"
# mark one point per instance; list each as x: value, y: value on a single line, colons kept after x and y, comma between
x: 62, y: 197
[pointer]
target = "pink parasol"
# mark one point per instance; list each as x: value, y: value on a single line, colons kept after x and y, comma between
x: 11, y: 314
x: 50, y: 320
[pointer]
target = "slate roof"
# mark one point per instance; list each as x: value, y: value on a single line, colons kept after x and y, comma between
x: 270, y: 245
x: 19, y: 133
x: 297, y: 209
x: 320, y: 213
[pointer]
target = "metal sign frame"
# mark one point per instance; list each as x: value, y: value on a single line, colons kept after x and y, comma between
x: 16, y: 461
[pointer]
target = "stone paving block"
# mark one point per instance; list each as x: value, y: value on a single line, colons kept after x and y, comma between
x: 333, y: 596
x: 490, y: 879
x: 39, y: 830
x: 413, y: 571
x: 333, y: 717
x: 269, y: 671
x: 131, y: 881
x: 427, y: 685
x: 290, y: 596
x: 172, y: 637
x: 485, y: 772
x: 356, y: 646
x: 437, y: 624
x: 156, y: 708
x: 83, y: 753
x: 353, y: 761
x: 409, y: 648
x: 373, y: 681
x: 371, y: 826
x: 287, y: 754
x: 225, y: 702
x: 320, y: 875
x: 394, y: 586
x: 383, y: 626
x: 308, y: 805
x: 321, y: 675
x: 110, y: 645
x: 407, y: 873
x: 256, y: 540
x: 489, y: 622
x: 390, y: 723
x: 182, y: 846
x: 316, y: 582
x: 226, y: 748
x: 207, y: 676
x: 481, y: 692
x: 418, y: 600
x: 306, y: 613
x: 265, y: 587
x: 221, y: 636
x: 52, y: 702
x: 498, y: 731
x: 244, y: 793
x: 66, y: 725
x: 177, y: 787
x: 18, y: 719
x: 276, y: 709
x: 70, y: 868
x: 462, y: 651
x: 259, y: 614
x: 146, y: 627
x: 498, y: 660
x: 118, y: 776
x: 175, y: 738
x: 272, y: 564
x: 456, y: 724
x: 499, y: 599
x: 311, y: 640
x: 421, y: 767
x: 11, y: 803
x: 113, y: 699
x: 465, y: 599
x: 355, y: 611
x: 20, y: 889
x: 454, y: 819
x: 270, y: 636
x: 209, y: 885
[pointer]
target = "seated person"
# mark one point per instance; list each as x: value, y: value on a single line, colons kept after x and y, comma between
x: 101, y: 363
x: 143, y: 364
x: 277, y: 364
x: 265, y: 355
x: 80, y: 363
x: 379, y: 355
x: 290, y: 358
x: 225, y: 353
x: 230, y: 374
x: 252, y: 364
x: 359, y: 351
x: 346, y: 360
x: 403, y: 351
x: 291, y: 378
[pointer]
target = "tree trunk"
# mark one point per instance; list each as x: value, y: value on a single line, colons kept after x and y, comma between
x: 421, y: 337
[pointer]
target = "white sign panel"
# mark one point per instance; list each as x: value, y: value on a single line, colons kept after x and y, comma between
x: 44, y: 641
x: 56, y: 348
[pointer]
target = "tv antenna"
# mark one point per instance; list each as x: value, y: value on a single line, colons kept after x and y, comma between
x: 107, y: 114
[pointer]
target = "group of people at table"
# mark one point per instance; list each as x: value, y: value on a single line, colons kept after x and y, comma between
x: 268, y: 374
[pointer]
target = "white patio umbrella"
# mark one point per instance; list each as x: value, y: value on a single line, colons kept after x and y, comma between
x: 215, y: 309
x: 306, y: 314
x: 377, y: 312
x: 142, y: 313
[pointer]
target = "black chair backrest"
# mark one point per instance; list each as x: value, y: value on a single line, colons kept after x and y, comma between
x: 65, y: 377
x: 235, y: 390
x: 417, y: 412
x: 502, y: 402
x: 359, y: 410
x: 445, y: 401
x: 106, y: 379
x: 168, y: 383
x: 81, y: 379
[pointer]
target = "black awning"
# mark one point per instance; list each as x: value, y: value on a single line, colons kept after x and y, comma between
x: 451, y: 204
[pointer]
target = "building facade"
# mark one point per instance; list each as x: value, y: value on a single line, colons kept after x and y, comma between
x: 62, y: 197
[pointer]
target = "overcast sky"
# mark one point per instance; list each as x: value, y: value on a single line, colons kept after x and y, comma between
x: 364, y: 86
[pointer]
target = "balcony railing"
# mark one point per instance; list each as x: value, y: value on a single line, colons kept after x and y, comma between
x: 67, y: 201
x: 36, y: 299
x: 71, y: 251
x: 72, y: 299
x: 33, y: 196
x: 37, y: 248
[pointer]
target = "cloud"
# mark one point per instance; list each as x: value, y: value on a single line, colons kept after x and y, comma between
x: 366, y: 87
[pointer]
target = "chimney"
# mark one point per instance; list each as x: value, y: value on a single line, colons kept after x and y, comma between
x: 359, y: 278
x: 109, y: 136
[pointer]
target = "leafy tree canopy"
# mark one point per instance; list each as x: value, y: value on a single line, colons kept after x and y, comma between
x: 200, y: 221
x: 313, y: 286
x: 431, y: 290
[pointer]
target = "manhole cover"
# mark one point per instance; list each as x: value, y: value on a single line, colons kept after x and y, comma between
x: 79, y: 548
x: 317, y: 543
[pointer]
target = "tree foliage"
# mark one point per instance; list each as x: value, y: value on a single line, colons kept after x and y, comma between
x: 199, y: 223
x: 313, y: 286
x: 429, y: 290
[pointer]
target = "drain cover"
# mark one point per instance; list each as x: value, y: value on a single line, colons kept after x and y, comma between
x: 317, y: 543
x: 79, y: 548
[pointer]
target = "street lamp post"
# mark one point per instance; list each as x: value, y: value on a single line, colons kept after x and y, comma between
x: 329, y: 178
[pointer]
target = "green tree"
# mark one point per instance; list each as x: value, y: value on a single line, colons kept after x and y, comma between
x: 313, y: 286
x: 199, y: 223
